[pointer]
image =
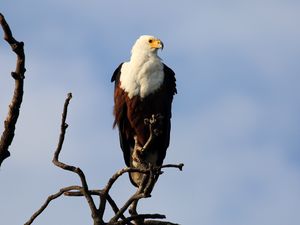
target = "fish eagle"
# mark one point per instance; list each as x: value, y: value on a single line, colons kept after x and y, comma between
x: 144, y: 86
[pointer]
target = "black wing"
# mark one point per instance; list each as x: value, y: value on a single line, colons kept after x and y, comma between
x: 120, y: 112
x: 116, y: 75
x: 170, y: 79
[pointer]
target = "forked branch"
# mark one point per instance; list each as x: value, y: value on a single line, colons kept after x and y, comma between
x: 83, y: 190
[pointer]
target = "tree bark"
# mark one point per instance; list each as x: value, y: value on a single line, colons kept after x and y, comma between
x: 14, y: 107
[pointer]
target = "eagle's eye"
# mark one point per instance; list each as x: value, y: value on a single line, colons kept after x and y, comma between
x: 150, y: 41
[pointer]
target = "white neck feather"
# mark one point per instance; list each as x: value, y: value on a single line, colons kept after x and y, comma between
x: 142, y: 75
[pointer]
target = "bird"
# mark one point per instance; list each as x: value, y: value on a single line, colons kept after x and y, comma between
x: 144, y: 88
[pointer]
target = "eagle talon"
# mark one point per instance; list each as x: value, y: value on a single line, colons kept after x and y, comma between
x: 153, y: 119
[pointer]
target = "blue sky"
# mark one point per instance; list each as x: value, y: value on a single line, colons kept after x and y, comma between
x: 235, y: 124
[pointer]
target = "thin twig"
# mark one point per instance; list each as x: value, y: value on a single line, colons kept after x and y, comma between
x: 99, y: 193
x: 140, y: 217
x: 179, y: 166
x: 14, y: 107
x: 49, y: 199
x: 63, y: 128
x: 79, y: 193
x: 155, y: 222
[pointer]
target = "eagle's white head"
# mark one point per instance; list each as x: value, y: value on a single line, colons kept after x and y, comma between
x: 147, y: 44
x: 143, y: 74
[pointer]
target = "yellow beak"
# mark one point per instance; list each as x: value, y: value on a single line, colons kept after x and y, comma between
x: 157, y: 44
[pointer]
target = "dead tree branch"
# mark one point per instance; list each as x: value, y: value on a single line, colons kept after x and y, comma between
x: 49, y: 199
x: 77, y: 170
x: 149, y: 178
x: 14, y: 107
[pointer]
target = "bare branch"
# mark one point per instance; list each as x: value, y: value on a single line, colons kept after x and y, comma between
x: 49, y: 199
x: 14, y: 107
x: 99, y: 193
x: 77, y: 170
x: 63, y: 128
x: 79, y: 193
x: 140, y: 217
x: 149, y: 177
x: 133, y: 200
x: 84, y: 189
x: 179, y: 166
x: 105, y: 196
x: 155, y: 222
